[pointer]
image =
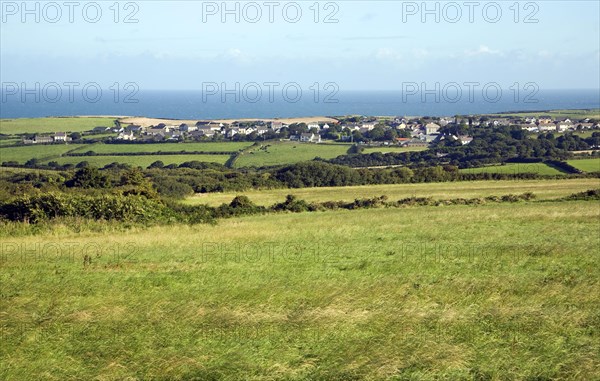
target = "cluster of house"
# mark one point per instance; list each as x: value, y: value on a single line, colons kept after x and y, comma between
x: 210, y: 129
x: 421, y: 134
x: 548, y: 124
x: 59, y: 137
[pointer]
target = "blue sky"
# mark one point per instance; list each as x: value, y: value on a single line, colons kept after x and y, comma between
x: 375, y: 45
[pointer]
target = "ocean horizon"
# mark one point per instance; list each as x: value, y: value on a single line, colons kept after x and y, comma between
x: 191, y: 104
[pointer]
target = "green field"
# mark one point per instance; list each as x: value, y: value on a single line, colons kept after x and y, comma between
x: 141, y: 160
x: 166, y: 147
x: 395, y: 149
x: 278, y: 153
x: 516, y: 168
x: 586, y: 165
x: 40, y: 125
x: 46, y: 151
x: 495, y: 292
x: 571, y: 114
x: 544, y: 189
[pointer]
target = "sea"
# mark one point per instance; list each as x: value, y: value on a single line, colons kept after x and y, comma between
x: 198, y: 105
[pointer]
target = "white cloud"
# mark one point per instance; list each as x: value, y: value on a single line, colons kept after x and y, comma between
x: 483, y: 50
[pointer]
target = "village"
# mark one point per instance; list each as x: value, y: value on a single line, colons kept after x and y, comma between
x: 399, y: 131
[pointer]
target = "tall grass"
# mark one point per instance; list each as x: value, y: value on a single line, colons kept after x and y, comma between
x: 501, y: 291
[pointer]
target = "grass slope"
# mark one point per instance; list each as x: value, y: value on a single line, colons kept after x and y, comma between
x: 495, y: 292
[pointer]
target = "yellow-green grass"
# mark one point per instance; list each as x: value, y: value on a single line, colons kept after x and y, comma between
x: 516, y: 168
x: 42, y: 151
x: 586, y: 165
x: 498, y: 292
x: 41, y: 125
x: 278, y: 153
x: 396, y: 149
x: 544, y: 189
x: 141, y: 160
x: 166, y: 147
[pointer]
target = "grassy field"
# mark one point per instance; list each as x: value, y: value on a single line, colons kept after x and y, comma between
x: 39, y: 125
x: 166, y: 147
x: 571, y: 114
x: 395, y: 149
x: 586, y: 165
x: 142, y: 160
x: 516, y: 168
x: 42, y: 152
x: 494, y: 292
x: 544, y: 189
x: 289, y: 152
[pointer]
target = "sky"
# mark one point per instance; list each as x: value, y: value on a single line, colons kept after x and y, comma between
x: 357, y: 45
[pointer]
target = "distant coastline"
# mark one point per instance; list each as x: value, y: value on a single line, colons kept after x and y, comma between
x: 189, y: 105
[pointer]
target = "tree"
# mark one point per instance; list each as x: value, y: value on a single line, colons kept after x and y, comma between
x: 89, y: 177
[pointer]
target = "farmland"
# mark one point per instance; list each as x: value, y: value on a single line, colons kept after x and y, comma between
x: 516, y: 168
x: 573, y: 114
x: 543, y: 189
x: 41, y: 152
x: 141, y: 160
x: 165, y: 147
x: 395, y: 149
x: 586, y: 165
x: 278, y: 153
x: 49, y: 125
x: 422, y: 293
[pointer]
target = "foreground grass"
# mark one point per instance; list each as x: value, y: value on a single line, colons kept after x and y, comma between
x: 543, y: 189
x: 516, y: 168
x: 494, y: 292
x: 280, y: 153
x: 42, y: 125
x: 586, y: 165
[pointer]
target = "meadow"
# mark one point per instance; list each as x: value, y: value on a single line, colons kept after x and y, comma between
x: 556, y: 114
x: 49, y: 125
x: 101, y: 148
x: 494, y: 292
x: 586, y: 165
x: 543, y: 189
x: 279, y: 153
x: 140, y: 160
x: 42, y: 152
x: 516, y: 168
x: 394, y: 149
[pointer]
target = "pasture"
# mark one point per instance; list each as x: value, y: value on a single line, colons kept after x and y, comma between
x: 42, y: 152
x: 500, y: 291
x: 49, y: 125
x: 101, y: 148
x: 141, y: 160
x: 586, y: 165
x: 281, y: 153
x: 393, y: 149
x: 516, y: 168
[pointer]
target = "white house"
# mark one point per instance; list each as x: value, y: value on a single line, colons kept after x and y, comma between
x: 310, y: 138
x: 432, y: 128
